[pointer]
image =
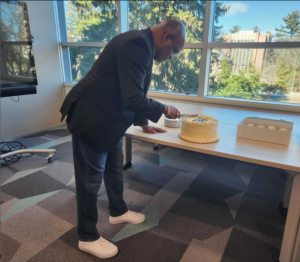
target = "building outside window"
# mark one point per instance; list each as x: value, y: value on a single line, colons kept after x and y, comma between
x: 242, y: 57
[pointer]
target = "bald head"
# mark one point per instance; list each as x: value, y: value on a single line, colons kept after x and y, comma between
x: 169, y: 39
x: 175, y: 27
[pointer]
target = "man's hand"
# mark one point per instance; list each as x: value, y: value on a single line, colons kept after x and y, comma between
x: 171, y: 112
x: 153, y: 129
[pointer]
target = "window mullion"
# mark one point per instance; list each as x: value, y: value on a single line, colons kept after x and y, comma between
x: 123, y: 16
x: 66, y: 63
x: 119, y: 16
x: 193, y: 45
x: 84, y: 44
x: 206, y: 52
x: 271, y: 45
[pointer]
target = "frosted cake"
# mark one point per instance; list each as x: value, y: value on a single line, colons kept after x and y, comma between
x: 173, y: 122
x: 199, y: 129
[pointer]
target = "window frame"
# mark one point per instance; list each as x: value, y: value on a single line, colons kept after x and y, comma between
x: 206, y: 47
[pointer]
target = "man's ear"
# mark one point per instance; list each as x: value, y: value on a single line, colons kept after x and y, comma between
x: 166, y: 36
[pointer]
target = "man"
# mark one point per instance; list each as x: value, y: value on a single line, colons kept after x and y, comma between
x: 100, y: 108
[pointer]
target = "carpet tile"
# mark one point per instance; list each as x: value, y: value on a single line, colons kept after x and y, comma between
x: 9, y: 247
x: 243, y: 247
x: 32, y: 185
x: 210, y: 250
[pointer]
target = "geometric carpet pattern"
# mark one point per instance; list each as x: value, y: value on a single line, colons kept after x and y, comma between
x: 199, y: 208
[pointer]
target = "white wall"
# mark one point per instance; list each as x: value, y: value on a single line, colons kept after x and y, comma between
x: 38, y: 112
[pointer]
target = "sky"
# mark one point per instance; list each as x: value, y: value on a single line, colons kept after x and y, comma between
x: 266, y: 14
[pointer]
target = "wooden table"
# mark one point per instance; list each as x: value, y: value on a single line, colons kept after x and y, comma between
x: 229, y: 146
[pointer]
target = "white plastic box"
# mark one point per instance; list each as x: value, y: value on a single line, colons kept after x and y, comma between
x: 276, y: 136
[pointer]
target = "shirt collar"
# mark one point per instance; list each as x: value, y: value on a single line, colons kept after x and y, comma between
x: 150, y: 35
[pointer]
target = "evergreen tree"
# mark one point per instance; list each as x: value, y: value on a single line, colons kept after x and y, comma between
x: 291, y: 29
x: 273, y: 89
x: 284, y: 74
x: 256, y: 29
x: 244, y: 85
x: 89, y: 21
x: 291, y: 32
x: 235, y: 29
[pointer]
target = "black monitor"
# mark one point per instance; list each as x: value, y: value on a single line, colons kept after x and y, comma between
x: 18, y: 74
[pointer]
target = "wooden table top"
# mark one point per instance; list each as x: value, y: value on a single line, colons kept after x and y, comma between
x: 229, y: 146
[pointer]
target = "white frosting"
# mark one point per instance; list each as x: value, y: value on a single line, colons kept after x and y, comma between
x: 261, y: 126
x: 282, y: 129
x: 272, y: 127
x: 199, y: 132
x: 173, y: 122
x: 250, y: 124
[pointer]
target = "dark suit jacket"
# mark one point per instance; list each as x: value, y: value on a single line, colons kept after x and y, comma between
x: 112, y: 96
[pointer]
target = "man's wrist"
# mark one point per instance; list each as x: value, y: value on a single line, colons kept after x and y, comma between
x: 167, y: 110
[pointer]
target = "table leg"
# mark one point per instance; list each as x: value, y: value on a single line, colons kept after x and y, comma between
x: 288, y: 189
x: 283, y: 206
x: 296, y: 253
x: 128, y: 153
x: 292, y: 221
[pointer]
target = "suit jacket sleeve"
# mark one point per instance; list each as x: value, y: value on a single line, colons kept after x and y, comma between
x: 133, y: 61
x: 140, y: 121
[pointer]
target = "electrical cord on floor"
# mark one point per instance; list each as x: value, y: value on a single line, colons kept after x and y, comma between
x: 7, y: 147
x: 15, y: 100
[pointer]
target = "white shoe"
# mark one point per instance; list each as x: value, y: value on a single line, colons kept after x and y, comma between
x: 100, y: 248
x: 129, y: 217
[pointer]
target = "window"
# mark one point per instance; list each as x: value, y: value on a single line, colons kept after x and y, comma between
x: 82, y: 58
x: 247, y: 50
x: 258, y: 21
x: 257, y: 74
x: 85, y: 28
x: 179, y: 75
x: 91, y: 21
x: 241, y: 68
x: 143, y: 14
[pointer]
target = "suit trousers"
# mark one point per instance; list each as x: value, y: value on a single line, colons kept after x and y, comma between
x: 90, y: 166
